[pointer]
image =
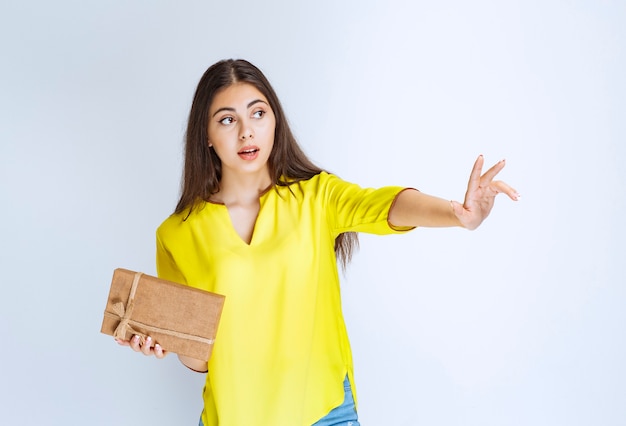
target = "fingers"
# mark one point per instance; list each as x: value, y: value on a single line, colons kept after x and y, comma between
x: 159, y: 352
x: 135, y: 343
x: 486, y: 179
x: 504, y: 188
x: 474, y: 180
x: 147, y: 347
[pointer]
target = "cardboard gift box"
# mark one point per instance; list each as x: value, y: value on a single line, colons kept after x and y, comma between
x: 180, y: 318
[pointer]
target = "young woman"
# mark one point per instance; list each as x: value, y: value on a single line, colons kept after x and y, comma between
x: 262, y: 225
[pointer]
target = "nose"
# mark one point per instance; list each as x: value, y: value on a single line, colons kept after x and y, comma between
x: 246, y: 131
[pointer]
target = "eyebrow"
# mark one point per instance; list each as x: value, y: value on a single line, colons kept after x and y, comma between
x: 250, y: 104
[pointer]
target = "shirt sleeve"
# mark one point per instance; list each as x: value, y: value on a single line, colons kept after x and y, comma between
x: 351, y: 208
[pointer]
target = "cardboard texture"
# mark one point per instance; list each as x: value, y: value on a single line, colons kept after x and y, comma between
x: 180, y: 318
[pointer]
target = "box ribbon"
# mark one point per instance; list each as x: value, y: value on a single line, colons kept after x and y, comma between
x: 126, y: 323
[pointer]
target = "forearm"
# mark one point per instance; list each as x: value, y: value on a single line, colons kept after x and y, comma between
x: 194, y: 364
x: 414, y: 208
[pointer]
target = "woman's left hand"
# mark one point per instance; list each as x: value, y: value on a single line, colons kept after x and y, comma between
x: 481, y: 194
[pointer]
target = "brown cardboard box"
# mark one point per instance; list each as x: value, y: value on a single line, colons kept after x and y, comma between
x: 181, y: 319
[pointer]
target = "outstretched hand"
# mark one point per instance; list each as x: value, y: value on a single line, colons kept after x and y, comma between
x: 481, y: 194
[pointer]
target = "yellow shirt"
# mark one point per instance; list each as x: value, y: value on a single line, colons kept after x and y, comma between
x: 282, y: 350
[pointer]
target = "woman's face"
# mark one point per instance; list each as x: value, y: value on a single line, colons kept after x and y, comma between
x: 241, y: 129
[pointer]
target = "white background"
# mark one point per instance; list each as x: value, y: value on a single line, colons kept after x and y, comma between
x: 521, y: 322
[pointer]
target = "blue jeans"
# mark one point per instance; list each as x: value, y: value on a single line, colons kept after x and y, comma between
x: 344, y: 415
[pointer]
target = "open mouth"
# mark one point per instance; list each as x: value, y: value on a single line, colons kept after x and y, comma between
x: 249, y: 152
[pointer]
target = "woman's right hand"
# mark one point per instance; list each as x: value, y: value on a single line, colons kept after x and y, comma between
x: 147, y: 347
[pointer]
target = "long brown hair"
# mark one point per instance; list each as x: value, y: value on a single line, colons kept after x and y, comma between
x: 203, y: 169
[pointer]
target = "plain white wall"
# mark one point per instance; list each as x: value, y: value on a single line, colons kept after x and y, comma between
x: 518, y: 323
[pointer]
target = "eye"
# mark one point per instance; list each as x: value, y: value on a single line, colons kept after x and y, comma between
x: 227, y: 120
x: 258, y: 114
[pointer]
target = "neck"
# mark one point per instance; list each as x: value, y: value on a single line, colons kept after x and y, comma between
x: 242, y: 188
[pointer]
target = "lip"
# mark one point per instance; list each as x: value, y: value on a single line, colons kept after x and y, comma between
x: 249, y: 152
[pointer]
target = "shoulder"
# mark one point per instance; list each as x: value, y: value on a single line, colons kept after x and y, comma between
x: 178, y: 222
x: 320, y: 182
x: 169, y: 226
x: 317, y: 187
